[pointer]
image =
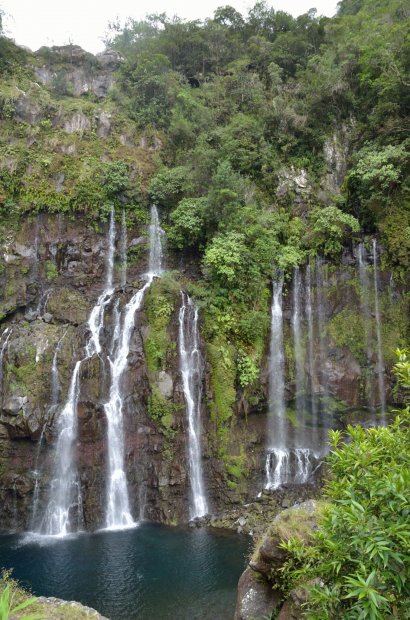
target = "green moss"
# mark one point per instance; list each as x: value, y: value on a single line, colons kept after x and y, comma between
x: 51, y: 270
x: 221, y: 357
x: 347, y: 329
x: 160, y: 303
x: 162, y: 411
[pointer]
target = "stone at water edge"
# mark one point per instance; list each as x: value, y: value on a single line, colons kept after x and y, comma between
x: 86, y: 612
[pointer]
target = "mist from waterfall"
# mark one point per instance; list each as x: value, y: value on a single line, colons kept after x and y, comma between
x: 191, y: 366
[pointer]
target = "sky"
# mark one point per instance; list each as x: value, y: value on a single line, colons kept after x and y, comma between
x: 34, y: 23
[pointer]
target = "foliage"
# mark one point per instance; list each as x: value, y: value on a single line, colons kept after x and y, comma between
x: 330, y: 227
x: 361, y: 552
x: 168, y: 185
x: 188, y: 228
x: 14, y: 600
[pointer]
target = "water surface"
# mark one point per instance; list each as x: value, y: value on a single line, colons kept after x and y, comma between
x: 152, y: 572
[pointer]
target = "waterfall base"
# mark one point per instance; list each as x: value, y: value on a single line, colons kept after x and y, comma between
x: 290, y: 466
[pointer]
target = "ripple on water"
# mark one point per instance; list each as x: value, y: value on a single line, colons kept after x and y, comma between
x: 142, y: 573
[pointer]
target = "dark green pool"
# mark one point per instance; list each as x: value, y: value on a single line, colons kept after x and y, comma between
x: 148, y: 573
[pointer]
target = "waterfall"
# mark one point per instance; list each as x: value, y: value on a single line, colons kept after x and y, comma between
x: 118, y: 514
x: 277, y: 456
x: 55, y: 395
x: 321, y: 281
x: 297, y: 349
x: 96, y: 319
x: 380, y: 365
x: 364, y: 300
x: 290, y: 459
x: 7, y: 334
x: 191, y: 367
x: 57, y: 519
x: 310, y: 343
x: 55, y: 379
x: 123, y: 249
x: 65, y: 491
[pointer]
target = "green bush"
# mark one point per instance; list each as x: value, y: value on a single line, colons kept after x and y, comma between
x: 361, y: 554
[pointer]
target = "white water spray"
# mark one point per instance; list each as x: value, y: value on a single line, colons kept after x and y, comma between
x: 118, y: 513
x: 191, y: 367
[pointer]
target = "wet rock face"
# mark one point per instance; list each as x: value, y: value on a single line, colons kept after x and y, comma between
x: 53, y: 272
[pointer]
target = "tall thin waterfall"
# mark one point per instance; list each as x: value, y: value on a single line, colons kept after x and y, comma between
x: 364, y: 300
x: 192, y: 375
x: 6, y: 335
x: 380, y: 365
x: 297, y: 348
x: 291, y: 454
x: 96, y: 319
x: 310, y: 343
x: 118, y: 513
x: 123, y: 249
x: 55, y: 395
x: 55, y: 379
x: 277, y: 445
x: 64, y: 486
x: 321, y: 280
x: 65, y: 491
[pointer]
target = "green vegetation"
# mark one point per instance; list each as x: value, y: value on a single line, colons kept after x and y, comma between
x: 361, y: 552
x: 160, y: 302
x: 264, y: 139
x: 10, y: 600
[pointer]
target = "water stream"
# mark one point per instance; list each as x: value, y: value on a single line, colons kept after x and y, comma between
x: 380, y: 364
x: 118, y: 513
x: 191, y: 367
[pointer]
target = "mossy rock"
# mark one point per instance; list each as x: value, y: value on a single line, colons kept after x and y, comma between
x: 68, y: 306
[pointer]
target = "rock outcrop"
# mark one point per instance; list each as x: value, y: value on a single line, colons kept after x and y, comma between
x: 259, y: 591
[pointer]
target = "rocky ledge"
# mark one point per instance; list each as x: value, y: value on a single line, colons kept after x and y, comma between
x: 258, y: 597
x: 56, y: 609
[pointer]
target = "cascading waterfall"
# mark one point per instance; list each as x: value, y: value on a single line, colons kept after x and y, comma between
x: 55, y: 395
x: 380, y: 365
x: 118, y: 513
x: 321, y: 281
x: 6, y: 335
x: 123, y: 249
x: 64, y: 487
x: 278, y: 455
x: 65, y: 491
x: 297, y: 348
x: 310, y: 342
x: 96, y: 319
x: 364, y: 300
x: 191, y: 367
x: 292, y: 454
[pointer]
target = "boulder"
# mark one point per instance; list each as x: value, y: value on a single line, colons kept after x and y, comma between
x: 256, y: 598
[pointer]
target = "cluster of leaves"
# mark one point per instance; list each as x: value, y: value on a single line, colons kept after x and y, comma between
x: 360, y: 558
x: 14, y: 600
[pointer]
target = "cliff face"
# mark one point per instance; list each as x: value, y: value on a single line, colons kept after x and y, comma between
x: 70, y: 153
x: 53, y: 272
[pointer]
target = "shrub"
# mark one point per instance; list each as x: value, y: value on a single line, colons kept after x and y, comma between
x: 361, y: 552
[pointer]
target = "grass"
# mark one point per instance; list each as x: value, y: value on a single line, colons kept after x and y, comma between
x: 18, y: 603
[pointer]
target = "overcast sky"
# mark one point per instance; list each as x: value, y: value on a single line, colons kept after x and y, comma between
x: 57, y: 22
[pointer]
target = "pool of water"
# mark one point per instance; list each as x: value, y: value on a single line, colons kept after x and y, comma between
x: 151, y: 572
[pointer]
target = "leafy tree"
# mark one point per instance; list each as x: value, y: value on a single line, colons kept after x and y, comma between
x: 329, y: 227
x: 168, y: 185
x: 188, y: 220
